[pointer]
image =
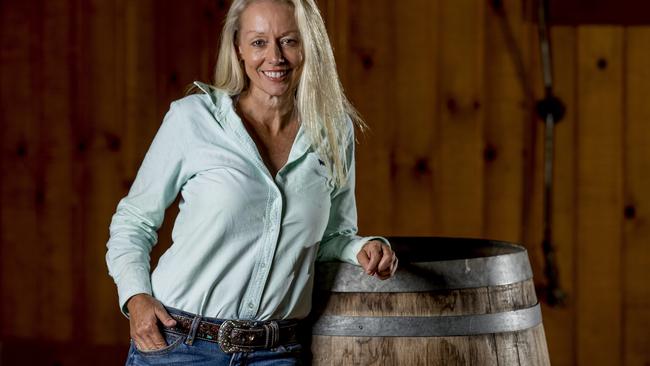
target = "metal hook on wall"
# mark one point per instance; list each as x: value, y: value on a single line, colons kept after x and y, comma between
x: 551, y: 110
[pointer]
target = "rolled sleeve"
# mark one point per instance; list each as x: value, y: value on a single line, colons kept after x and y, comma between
x: 340, y: 241
x: 133, y: 228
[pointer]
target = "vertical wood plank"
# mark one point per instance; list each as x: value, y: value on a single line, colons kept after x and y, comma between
x: 56, y: 223
x: 337, y: 20
x: 212, y: 13
x: 533, y: 168
x: 325, y: 357
x: 104, y: 175
x: 599, y: 195
x: 19, y: 115
x: 80, y: 131
x: 507, y: 113
x: 459, y: 142
x: 144, y: 107
x: 559, y: 322
x: 141, y: 118
x: 181, y: 51
x: 636, y: 260
x: 371, y: 66
x: 416, y: 94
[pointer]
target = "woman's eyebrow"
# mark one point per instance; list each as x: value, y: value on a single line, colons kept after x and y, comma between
x: 263, y: 33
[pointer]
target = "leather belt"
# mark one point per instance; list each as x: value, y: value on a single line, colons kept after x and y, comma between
x: 239, y: 335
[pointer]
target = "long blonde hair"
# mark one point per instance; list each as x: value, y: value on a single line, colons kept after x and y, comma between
x: 322, y: 106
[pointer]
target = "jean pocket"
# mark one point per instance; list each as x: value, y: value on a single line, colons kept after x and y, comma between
x: 292, y: 348
x: 173, y: 340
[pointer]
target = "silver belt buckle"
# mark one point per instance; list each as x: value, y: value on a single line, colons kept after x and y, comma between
x: 225, y: 335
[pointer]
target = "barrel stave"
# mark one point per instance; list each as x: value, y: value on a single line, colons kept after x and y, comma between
x: 469, y: 301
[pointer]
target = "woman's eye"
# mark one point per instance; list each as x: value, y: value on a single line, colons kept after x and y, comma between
x: 257, y: 43
x: 289, y: 42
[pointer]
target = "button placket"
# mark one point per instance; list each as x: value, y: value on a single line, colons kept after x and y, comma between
x: 269, y: 240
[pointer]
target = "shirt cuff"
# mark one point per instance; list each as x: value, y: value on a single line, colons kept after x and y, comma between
x: 135, y: 284
x: 351, y: 250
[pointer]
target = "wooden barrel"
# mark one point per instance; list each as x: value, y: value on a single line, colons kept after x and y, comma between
x: 453, y: 301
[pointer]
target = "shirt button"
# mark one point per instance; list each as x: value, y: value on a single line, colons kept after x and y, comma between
x: 262, y: 265
x: 250, y: 305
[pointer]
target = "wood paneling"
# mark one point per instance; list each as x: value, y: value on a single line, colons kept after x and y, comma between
x: 508, y: 97
x: 417, y: 51
x: 56, y: 183
x: 459, y: 144
x: 599, y: 179
x: 561, y: 320
x: 22, y: 195
x: 371, y: 63
x: 447, y: 88
x: 636, y: 256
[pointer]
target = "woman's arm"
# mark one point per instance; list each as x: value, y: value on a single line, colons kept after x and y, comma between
x: 134, y: 226
x: 340, y: 240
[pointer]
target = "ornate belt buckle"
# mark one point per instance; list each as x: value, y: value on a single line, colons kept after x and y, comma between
x: 225, y: 337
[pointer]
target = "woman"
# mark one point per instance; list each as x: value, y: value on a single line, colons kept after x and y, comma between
x: 264, y: 163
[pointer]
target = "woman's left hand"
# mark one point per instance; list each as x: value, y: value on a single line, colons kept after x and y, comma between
x: 377, y: 259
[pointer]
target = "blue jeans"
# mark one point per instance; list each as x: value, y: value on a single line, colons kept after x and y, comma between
x: 201, y: 352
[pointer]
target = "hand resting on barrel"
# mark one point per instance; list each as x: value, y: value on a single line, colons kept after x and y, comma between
x: 377, y: 259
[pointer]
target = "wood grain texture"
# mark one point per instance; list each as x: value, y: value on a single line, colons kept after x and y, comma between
x: 507, y: 117
x: 21, y: 140
x: 459, y: 139
x: 84, y: 86
x: 412, y: 351
x: 416, y: 80
x: 559, y: 321
x: 104, y: 173
x: 56, y: 184
x: 599, y: 196
x: 481, y: 300
x: 510, y: 348
x: 141, y: 116
x: 371, y: 66
x: 636, y: 302
x: 59, y: 353
x: 516, y: 348
x: 533, y: 177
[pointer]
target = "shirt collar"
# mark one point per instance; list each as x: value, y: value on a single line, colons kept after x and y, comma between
x: 225, y: 112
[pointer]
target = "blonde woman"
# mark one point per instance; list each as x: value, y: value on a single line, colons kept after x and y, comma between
x: 264, y: 163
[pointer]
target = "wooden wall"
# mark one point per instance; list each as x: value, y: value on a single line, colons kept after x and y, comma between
x: 454, y: 150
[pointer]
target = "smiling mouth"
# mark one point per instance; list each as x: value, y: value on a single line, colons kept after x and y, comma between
x: 276, y: 75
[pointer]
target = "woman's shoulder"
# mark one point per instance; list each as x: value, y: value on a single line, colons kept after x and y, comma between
x: 203, y: 97
x: 201, y: 115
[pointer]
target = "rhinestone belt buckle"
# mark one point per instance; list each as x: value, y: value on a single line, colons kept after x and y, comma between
x: 225, y: 336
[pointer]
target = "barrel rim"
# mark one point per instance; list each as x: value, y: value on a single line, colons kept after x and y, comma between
x: 510, y: 246
x: 428, y: 326
x: 474, y: 272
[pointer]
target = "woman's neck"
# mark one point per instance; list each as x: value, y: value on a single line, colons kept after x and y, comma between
x: 271, y: 112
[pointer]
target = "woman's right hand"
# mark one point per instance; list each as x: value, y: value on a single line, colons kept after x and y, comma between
x: 144, y: 313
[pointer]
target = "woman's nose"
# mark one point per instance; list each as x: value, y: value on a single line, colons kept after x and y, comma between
x: 276, y: 55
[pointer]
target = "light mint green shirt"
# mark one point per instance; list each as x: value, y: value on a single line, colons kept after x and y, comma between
x: 244, y: 242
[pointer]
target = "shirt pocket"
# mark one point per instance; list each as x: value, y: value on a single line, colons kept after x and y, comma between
x: 312, y: 180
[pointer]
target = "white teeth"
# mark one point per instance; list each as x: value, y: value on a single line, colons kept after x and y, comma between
x: 275, y: 74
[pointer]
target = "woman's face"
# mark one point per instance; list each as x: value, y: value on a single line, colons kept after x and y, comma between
x: 270, y: 47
